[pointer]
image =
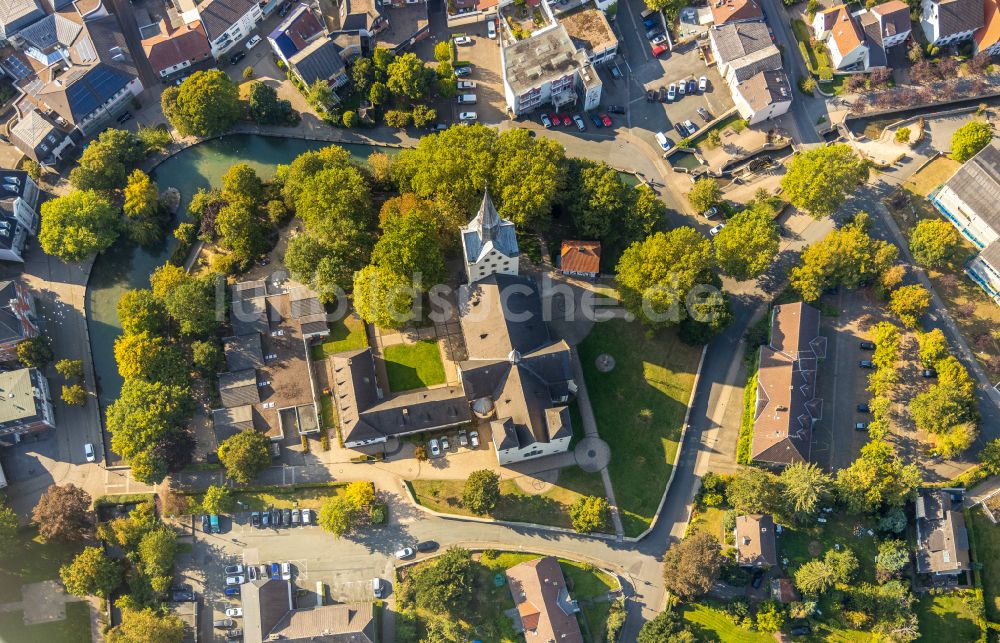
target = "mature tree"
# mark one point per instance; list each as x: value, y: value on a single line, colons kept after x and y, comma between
x: 814, y: 577
x: 146, y: 415
x: 78, y: 225
x: 207, y: 357
x: 770, y: 616
x: 423, y: 116
x: 691, y: 566
x: 192, y: 305
x: 335, y: 202
x: 933, y: 347
x: 146, y: 626
x: 91, y: 573
x: 843, y: 564
x: 383, y: 297
x: 969, y: 139
x: 141, y: 311
x: 217, y: 499
x: 935, y: 243
x: 804, y: 487
x: 8, y: 531
x: 107, y: 161
x: 156, y: 551
x: 337, y: 516
x: 705, y: 193
x: 411, y: 247
x: 954, y: 376
x: 989, y: 457
x: 407, y: 76
x: 360, y: 494
x: 599, y: 201
x: 656, y: 275
x: 35, y: 352
x: 753, y: 490
x: 709, y: 314
x: 206, y: 104
x: 589, y: 513
x: 151, y: 358
x: 328, y: 268
x: 528, y: 174
x: 154, y: 139
x: 63, y: 513
x: 241, y: 183
x: 940, y: 410
x: 482, y: 491
x: 379, y: 94
x: 397, y: 118
x: 238, y: 225
x: 848, y: 257
x: 143, y: 209
x: 666, y: 626
x: 264, y: 106
x: 70, y: 369
x: 877, y: 479
x: 74, y: 395
x: 893, y: 557
x: 245, y: 455
x: 447, y: 584
x: 909, y: 303
x: 443, y: 51
x: 748, y: 244
x: 819, y: 180
x: 33, y: 169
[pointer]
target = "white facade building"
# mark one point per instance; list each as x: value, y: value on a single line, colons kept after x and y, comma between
x: 489, y: 244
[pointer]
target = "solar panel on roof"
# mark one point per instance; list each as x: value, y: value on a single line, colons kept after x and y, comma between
x: 17, y: 68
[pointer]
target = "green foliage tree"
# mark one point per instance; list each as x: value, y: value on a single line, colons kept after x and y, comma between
x: 753, y: 490
x: 666, y: 626
x: 423, y: 116
x: 447, y: 584
x: 206, y: 104
x: 902, y: 135
x: 969, y: 139
x: 143, y: 423
x: 207, y: 357
x: 410, y: 247
x: 877, y: 479
x: 191, y: 303
x: 935, y: 243
x: 362, y: 75
x: 382, y: 58
x: 351, y: 119
x: 656, y: 275
x: 407, y: 76
x: 819, y: 180
x: 142, y: 199
x: 240, y: 231
x: 813, y: 577
x: 383, y: 297
x: 74, y: 395
x: 528, y: 173
x: 217, y: 500
x: 245, y: 455
x: 33, y: 169
x: 933, y: 347
x: 397, y: 118
x: 909, y: 303
x: 156, y: 551
x: 35, y: 352
x: 70, y: 369
x: 843, y: 564
x: 481, y: 491
x: 360, y: 494
x: 140, y: 311
x: 151, y: 358
x: 893, y: 557
x: 443, y: 51
x: 8, y: 532
x: 589, y: 514
x: 265, y: 107
x: 337, y: 516
x: 847, y: 257
x: 804, y: 487
x: 320, y: 95
x: 747, y: 246
x: 770, y: 616
x: 705, y: 193
x: 107, y: 161
x: 78, y: 225
x: 691, y: 567
x: 63, y: 513
x: 154, y: 139
x: 91, y: 573
x: 146, y: 626
x: 601, y: 201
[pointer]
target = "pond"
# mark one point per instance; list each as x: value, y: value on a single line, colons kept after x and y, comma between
x: 684, y: 159
x: 126, y: 266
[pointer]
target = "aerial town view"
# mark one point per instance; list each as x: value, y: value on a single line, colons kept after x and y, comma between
x: 499, y: 321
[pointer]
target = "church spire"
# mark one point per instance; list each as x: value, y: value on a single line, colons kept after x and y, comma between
x: 488, y: 219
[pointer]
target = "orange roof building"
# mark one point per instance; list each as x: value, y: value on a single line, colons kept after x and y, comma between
x: 546, y: 611
x: 727, y: 11
x: 172, y: 50
x: 580, y: 258
x: 987, y: 37
x: 842, y: 34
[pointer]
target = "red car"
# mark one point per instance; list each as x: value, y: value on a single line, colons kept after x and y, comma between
x: 606, y: 120
x: 567, y: 121
x: 556, y: 118
x: 659, y: 49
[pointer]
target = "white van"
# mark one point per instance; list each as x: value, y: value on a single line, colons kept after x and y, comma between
x: 662, y: 139
x: 377, y: 587
x: 466, y: 99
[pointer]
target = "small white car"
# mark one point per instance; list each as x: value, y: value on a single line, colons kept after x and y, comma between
x: 474, y: 439
x: 702, y: 84
x: 233, y: 570
x: 689, y: 126
x: 466, y: 99
x: 463, y: 40
x: 404, y: 553
x: 717, y: 229
x: 468, y: 117
x: 444, y: 443
x: 235, y: 580
x: 491, y: 28
x: 466, y: 84
x: 672, y: 91
x: 88, y: 452
x: 580, y: 125
x: 252, y: 573
x: 234, y: 612
x: 663, y: 141
x: 657, y: 40
x: 435, y: 448
x: 307, y: 516
x: 253, y: 42
x: 681, y: 87
x: 286, y: 571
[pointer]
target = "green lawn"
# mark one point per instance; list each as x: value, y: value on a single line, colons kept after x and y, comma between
x: 793, y: 543
x: 945, y: 617
x: 75, y: 628
x: 550, y: 508
x: 411, y: 366
x: 987, y: 553
x: 345, y: 335
x: 712, y: 624
x: 709, y: 520
x: 654, y: 373
x: 328, y: 412
x: 34, y: 561
x: 281, y: 497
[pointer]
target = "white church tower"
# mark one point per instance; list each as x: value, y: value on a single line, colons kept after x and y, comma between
x: 490, y: 243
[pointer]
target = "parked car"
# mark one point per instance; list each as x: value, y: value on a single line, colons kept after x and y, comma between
x: 126, y: 116
x: 463, y: 40
x: 658, y: 50
x: 253, y: 42
x: 653, y: 33
x: 237, y: 57
x: 662, y: 95
x: 182, y: 597
x: 265, y: 519
x: 307, y: 516
x: 672, y: 91
x: 234, y: 634
x: 680, y: 130
x: 566, y: 120
x: 206, y: 524
x: 466, y: 99
x: 463, y: 439
x: 404, y: 553
x: 275, y: 571
x: 712, y: 212
x: 650, y: 95
x: 928, y: 373
x: 690, y: 127
x: 757, y: 578
x: 88, y: 452
x: 276, y: 517
x: 234, y: 612
x: 659, y: 39
x: 214, y: 520
x: 232, y: 591
x: 288, y: 517
x: 681, y: 87
x: 285, y: 8
x: 717, y: 229
x: 702, y: 83
x: 252, y: 573
x: 465, y: 84
x: 596, y: 120
x: 286, y: 571
x: 546, y: 121
x: 296, y: 517
x: 649, y: 22
x: 704, y: 114
x: 663, y: 141
x: 491, y: 29
x: 580, y: 125
x: 616, y: 109
x: 864, y: 408
x: 801, y: 630
x: 235, y: 580
x: 860, y: 426
x: 867, y: 346
x: 691, y: 86
x: 232, y: 570
x: 255, y: 519
x: 468, y: 117
x: 435, y: 448
x: 865, y: 363
x: 474, y: 439
x: 445, y: 445
x: 606, y: 120
x: 464, y: 70
x: 223, y: 623
x: 377, y: 587
x: 426, y: 545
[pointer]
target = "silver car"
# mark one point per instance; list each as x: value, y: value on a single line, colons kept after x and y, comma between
x: 435, y: 448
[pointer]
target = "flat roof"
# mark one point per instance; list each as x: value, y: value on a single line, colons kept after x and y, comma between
x: 589, y: 29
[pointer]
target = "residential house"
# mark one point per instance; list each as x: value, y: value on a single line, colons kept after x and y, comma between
x: 321, y: 59
x: 18, y: 320
x: 725, y: 12
x: 39, y: 137
x: 968, y: 199
x: 269, y: 614
x: 894, y: 22
x: 18, y: 213
x: 755, y: 543
x: 987, y: 37
x: 591, y: 32
x: 25, y: 403
x: 17, y: 14
x: 764, y: 95
x: 489, y: 243
x: 547, y: 68
x: 946, y: 22
x: 743, y: 50
x: 466, y: 12
x: 545, y: 609
x: 844, y: 38
x: 363, y: 17
x: 942, y: 538
x: 786, y: 405
x: 580, y: 259
x: 226, y: 22
x: 299, y: 28
x: 405, y: 22
x: 171, y: 50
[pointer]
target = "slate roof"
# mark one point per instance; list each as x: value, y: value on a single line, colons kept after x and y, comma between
x: 991, y: 255
x: 298, y: 29
x: 580, y: 256
x: 735, y: 41
x: 787, y: 405
x: 956, y: 16
x: 755, y: 544
x: 942, y: 538
x: 15, y: 183
x: 239, y: 388
x: 243, y: 352
x: 269, y: 614
x: 220, y: 15
x: 249, y: 316
x: 11, y: 329
x: 977, y: 183
x: 32, y: 128
x: 488, y: 231
x: 52, y: 30
x: 358, y: 15
x: 895, y: 17
x: 543, y: 602
x: 265, y: 603
x: 873, y: 40
x: 319, y: 60
x: 765, y: 88
x: 230, y: 421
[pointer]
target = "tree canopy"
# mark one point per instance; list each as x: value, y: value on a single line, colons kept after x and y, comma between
x: 969, y: 139
x: 78, y: 225
x: 819, y: 180
x: 748, y: 244
x: 446, y: 584
x: 935, y: 243
x: 63, y: 513
x: 107, y: 161
x: 245, y: 455
x: 383, y: 297
x: 146, y: 626
x: 691, y: 566
x: 264, y: 106
x: 589, y: 514
x: 846, y: 257
x: 909, y: 303
x: 481, y: 491
x: 91, y: 573
x: 705, y: 193
x: 206, y: 104
x: 877, y: 479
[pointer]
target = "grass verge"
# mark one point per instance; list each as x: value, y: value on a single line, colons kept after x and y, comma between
x: 711, y: 623
x: 653, y: 373
x: 303, y: 496
x: 411, y: 366
x: 34, y: 561
x: 75, y: 628
x: 346, y: 334
x: 987, y: 553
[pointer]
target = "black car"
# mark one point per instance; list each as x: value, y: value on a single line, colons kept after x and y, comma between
x: 464, y: 70
x: 237, y: 57
x: 426, y: 545
x: 928, y: 373
x: 867, y: 346
x: 864, y: 408
x: 234, y: 634
x: 866, y: 364
x: 181, y: 596
x: 288, y: 517
x: 616, y: 109
x: 265, y: 519
x: 704, y: 114
x: 801, y: 630
x: 124, y: 117
x: 285, y: 8
x: 206, y: 524
x: 255, y: 519
x: 680, y: 130
x: 757, y: 579
x: 650, y: 95
x: 276, y: 517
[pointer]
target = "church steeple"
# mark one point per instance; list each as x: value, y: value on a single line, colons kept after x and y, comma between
x: 487, y: 221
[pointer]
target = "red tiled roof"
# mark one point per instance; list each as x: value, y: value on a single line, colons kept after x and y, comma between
x: 173, y: 46
x: 580, y: 256
x: 725, y: 11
